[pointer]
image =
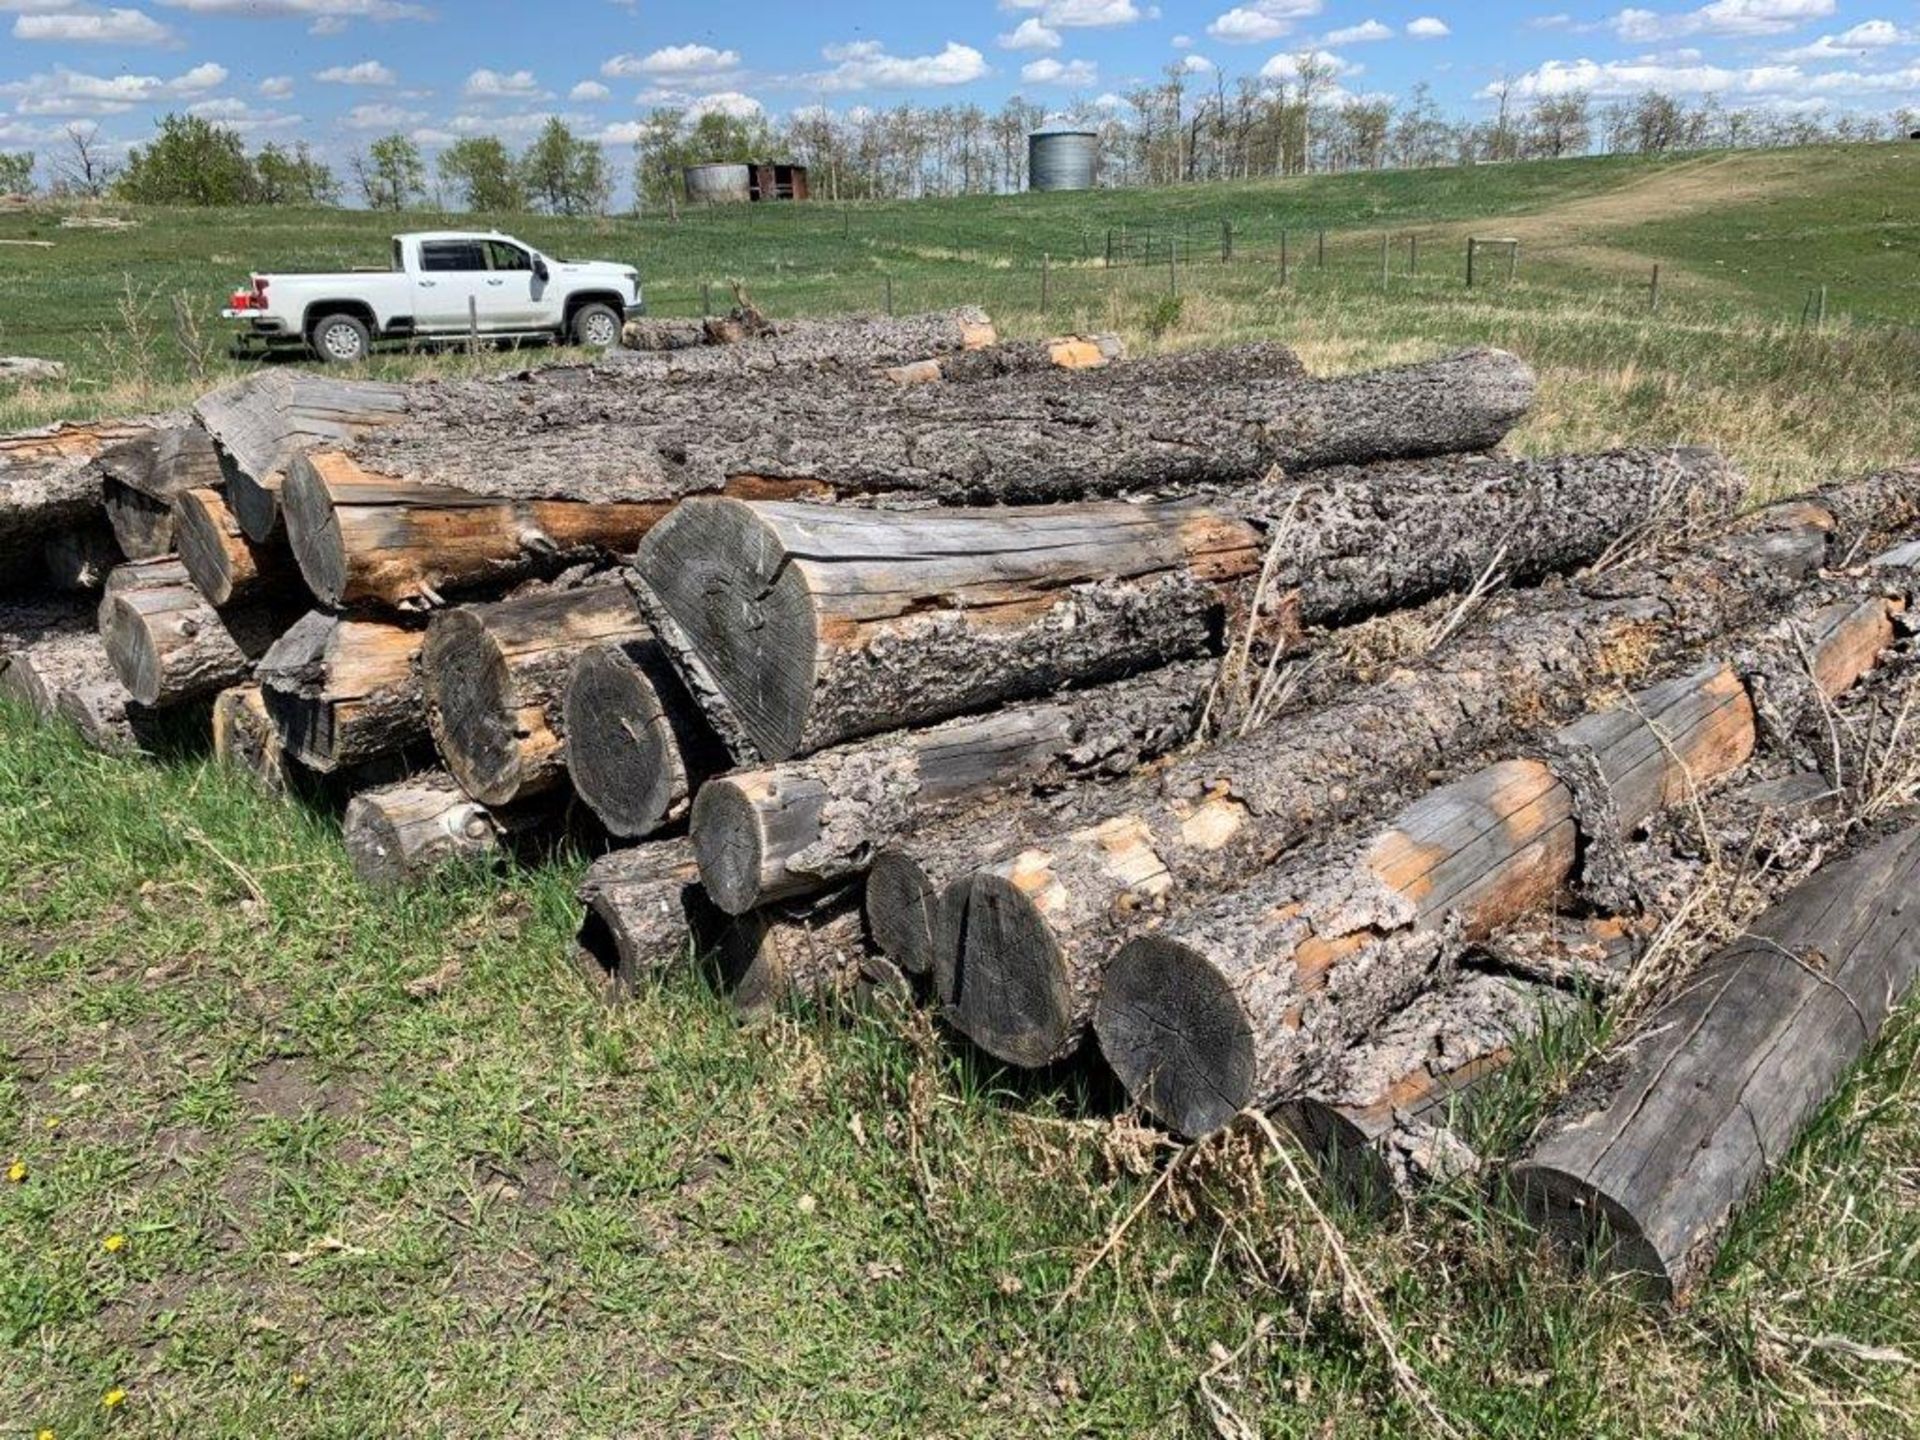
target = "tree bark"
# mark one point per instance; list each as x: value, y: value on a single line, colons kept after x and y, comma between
x: 783, y: 955
x: 795, y: 829
x: 1657, y: 1149
x: 246, y: 739
x: 637, y: 743
x: 1250, y: 998
x: 400, y: 834
x: 494, y: 677
x: 167, y: 644
x: 636, y: 922
x: 224, y: 565
x: 1064, y: 883
x: 50, y: 484
x: 344, y: 691
x: 139, y: 479
x: 1012, y: 357
x: 52, y: 662
x: 672, y: 350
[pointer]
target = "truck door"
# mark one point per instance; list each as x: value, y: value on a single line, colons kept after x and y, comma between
x: 452, y: 273
x: 511, y: 291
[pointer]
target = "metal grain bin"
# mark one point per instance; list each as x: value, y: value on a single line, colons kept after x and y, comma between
x: 719, y: 184
x: 1061, y: 159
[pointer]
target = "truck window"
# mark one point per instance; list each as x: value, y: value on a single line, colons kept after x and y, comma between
x: 452, y: 255
x: 507, y: 257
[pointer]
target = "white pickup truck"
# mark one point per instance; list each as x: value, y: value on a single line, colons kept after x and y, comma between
x: 442, y: 286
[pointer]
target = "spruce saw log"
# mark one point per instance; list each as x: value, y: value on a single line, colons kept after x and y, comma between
x: 691, y: 350
x: 635, y: 926
x: 399, y: 834
x: 1013, y: 357
x: 49, y: 484
x: 1656, y: 1150
x: 167, y: 644
x: 344, y: 691
x: 224, y: 565
x: 139, y: 479
x: 783, y: 955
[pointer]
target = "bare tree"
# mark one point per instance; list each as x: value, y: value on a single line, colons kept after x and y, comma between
x: 83, y: 167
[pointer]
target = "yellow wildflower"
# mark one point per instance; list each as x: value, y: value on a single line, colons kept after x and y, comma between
x: 300, y: 1381
x: 114, y: 1244
x: 114, y: 1398
x: 17, y: 1172
x: 44, y: 1435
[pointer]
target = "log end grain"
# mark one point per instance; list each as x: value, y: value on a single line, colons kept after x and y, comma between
x: 400, y: 833
x: 903, y: 905
x: 744, y: 827
x: 472, y: 706
x: 313, y: 530
x: 1001, y: 976
x: 1176, y: 1034
x: 1583, y: 1219
x: 634, y: 740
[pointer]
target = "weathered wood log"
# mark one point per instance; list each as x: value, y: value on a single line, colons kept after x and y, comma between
x: 494, y: 677
x: 783, y: 955
x: 636, y: 921
x: 226, y: 566
x: 260, y: 424
x: 1381, y: 1127
x: 50, y: 485
x: 637, y: 743
x: 401, y: 833
x: 1064, y: 882
x: 167, y: 644
x: 53, y: 663
x: 360, y: 538
x: 246, y: 739
x: 794, y: 829
x: 141, y: 477
x: 1014, y: 357
x: 685, y: 350
x: 1249, y: 999
x: 1656, y: 1151
x: 344, y: 691
x: 77, y: 560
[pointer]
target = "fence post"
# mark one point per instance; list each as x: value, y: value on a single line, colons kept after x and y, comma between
x: 706, y: 298
x: 1226, y: 242
x: 1384, y: 241
x: 1283, y: 259
x: 1173, y: 271
x: 846, y: 222
x: 1653, y: 289
x: 473, y: 325
x: 1513, y: 260
x: 1109, y: 247
x: 889, y: 294
x: 1820, y: 315
x: 1046, y: 262
x: 1321, y: 261
x: 1413, y: 254
x: 1470, y: 249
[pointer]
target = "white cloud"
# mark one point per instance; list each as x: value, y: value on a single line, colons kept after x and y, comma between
x: 674, y: 61
x: 277, y: 87
x: 1049, y: 71
x: 72, y: 92
x: 1722, y: 17
x: 1082, y: 14
x: 367, y: 72
x: 381, y: 116
x: 493, y: 85
x: 1197, y: 65
x: 1365, y: 31
x: 1428, y: 27
x: 865, y: 65
x: 1031, y: 33
x: 239, y: 115
x: 589, y: 90
x: 725, y: 102
x: 1262, y: 21
x: 328, y: 17
x: 1285, y: 66
x: 1182, y: 42
x: 1850, y: 44
x: 1780, y: 82
x: 88, y: 26
x: 1559, y: 20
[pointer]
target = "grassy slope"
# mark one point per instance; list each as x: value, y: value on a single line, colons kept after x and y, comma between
x: 384, y: 1168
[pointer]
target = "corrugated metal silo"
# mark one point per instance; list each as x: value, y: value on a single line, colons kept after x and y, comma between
x: 719, y: 184
x: 1061, y: 159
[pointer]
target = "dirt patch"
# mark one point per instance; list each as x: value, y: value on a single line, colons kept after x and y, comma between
x: 289, y: 1089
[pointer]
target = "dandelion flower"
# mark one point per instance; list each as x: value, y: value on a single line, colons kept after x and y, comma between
x: 44, y: 1435
x: 114, y: 1244
x: 114, y: 1398
x: 17, y: 1172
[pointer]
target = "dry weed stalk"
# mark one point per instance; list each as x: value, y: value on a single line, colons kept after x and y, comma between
x: 1233, y: 692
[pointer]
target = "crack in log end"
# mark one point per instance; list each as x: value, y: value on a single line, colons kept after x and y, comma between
x: 902, y: 910
x: 1176, y: 1034
x: 1006, y: 987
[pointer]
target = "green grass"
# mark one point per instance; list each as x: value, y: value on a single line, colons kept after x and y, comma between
x: 386, y: 1168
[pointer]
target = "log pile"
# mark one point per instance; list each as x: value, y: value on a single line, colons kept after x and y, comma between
x: 1274, y: 731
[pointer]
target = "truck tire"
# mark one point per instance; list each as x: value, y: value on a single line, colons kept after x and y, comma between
x: 596, y: 326
x: 341, y: 340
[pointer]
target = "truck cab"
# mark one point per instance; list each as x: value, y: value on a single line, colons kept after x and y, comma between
x: 441, y: 287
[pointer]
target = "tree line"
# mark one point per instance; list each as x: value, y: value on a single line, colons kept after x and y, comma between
x: 1172, y: 132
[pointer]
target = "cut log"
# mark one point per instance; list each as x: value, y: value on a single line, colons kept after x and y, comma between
x: 400, y: 834
x: 636, y: 923
x: 246, y: 739
x: 1249, y: 999
x: 688, y: 350
x: 77, y: 560
x: 141, y: 477
x: 1381, y: 1128
x: 53, y: 663
x: 49, y: 485
x: 1651, y: 1157
x: 1015, y: 357
x: 364, y: 539
x: 107, y: 718
x: 637, y: 743
x: 805, y: 826
x: 783, y: 955
x: 1067, y: 880
x: 260, y: 424
x: 223, y: 563
x: 494, y: 677
x: 167, y: 644
x: 344, y: 691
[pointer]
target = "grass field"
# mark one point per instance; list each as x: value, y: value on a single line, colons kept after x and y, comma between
x: 295, y: 1159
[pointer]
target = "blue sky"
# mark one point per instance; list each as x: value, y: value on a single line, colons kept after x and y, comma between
x: 338, y: 72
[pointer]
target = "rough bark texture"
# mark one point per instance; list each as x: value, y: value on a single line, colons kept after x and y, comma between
x: 783, y: 955
x: 401, y: 833
x: 223, y: 563
x: 637, y: 743
x: 1655, y: 1151
x: 167, y: 644
x: 52, y: 662
x: 50, y: 483
x: 692, y: 350
x: 139, y: 479
x: 1014, y: 357
x: 494, y: 677
x: 245, y: 738
x: 798, y: 828
x: 636, y: 922
x: 344, y: 691
x: 1068, y: 880
x: 1249, y: 999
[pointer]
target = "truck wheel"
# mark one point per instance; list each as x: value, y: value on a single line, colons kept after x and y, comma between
x: 341, y: 340
x: 596, y: 326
